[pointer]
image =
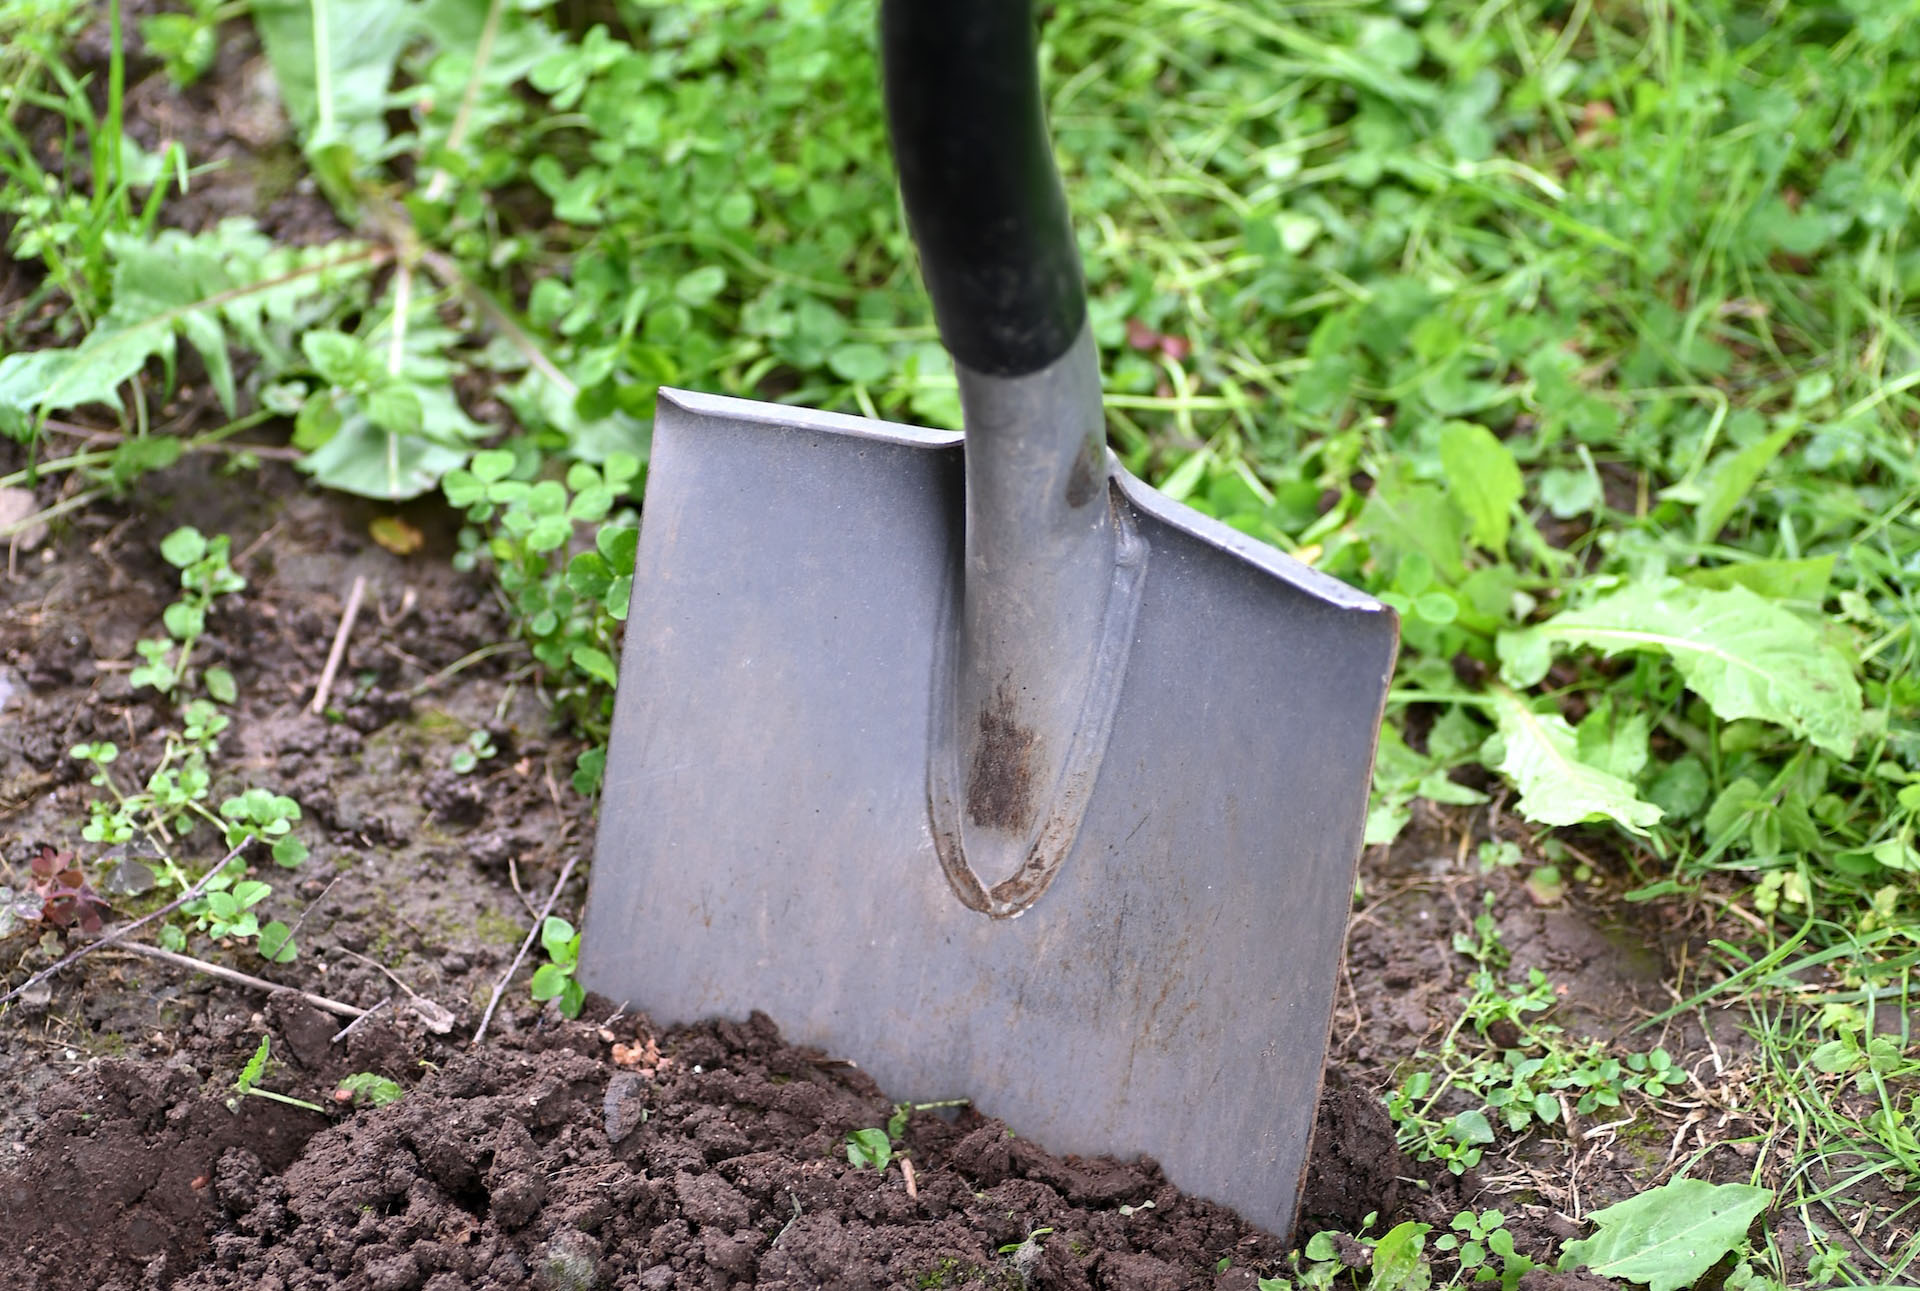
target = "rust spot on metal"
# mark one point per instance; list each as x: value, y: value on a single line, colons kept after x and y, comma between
x: 1000, y: 788
x: 1084, y: 480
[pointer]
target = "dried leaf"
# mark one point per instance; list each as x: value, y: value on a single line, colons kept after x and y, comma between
x: 396, y: 535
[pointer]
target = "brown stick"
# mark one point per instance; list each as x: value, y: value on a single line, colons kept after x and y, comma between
x: 119, y: 934
x: 349, y: 1028
x: 339, y: 650
x: 239, y: 978
x: 500, y: 987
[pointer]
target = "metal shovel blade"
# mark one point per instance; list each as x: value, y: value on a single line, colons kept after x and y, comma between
x: 766, y: 840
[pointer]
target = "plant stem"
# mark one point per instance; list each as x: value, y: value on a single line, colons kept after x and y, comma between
x: 463, y: 115
x: 288, y: 1099
x: 499, y: 987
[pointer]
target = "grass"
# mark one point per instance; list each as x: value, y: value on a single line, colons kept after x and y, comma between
x: 1581, y: 332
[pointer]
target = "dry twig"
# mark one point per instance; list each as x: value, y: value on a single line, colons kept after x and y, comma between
x: 500, y: 987
x: 339, y: 649
x: 239, y: 978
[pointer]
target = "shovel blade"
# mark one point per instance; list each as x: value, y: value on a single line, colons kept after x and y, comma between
x: 765, y: 839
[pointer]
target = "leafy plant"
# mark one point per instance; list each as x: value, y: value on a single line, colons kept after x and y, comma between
x: 57, y: 894
x: 1394, y: 1261
x: 475, y: 749
x: 248, y: 1083
x: 1476, y: 1240
x: 1668, y: 1237
x: 186, y: 43
x: 569, y: 594
x: 205, y: 576
x: 1533, y: 1078
x: 178, y: 791
x: 368, y: 1089
x: 870, y: 1149
x: 229, y: 283
x: 554, y: 980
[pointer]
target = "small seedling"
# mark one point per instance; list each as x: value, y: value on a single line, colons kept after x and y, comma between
x: 204, y: 576
x: 554, y: 979
x: 366, y: 1089
x: 869, y: 1149
x: 568, y: 608
x: 266, y: 816
x: 1028, y: 1249
x: 60, y: 892
x: 475, y: 749
x: 876, y: 1147
x: 249, y: 1083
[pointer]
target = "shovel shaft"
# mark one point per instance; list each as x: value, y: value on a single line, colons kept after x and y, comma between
x: 1025, y: 688
x: 977, y: 175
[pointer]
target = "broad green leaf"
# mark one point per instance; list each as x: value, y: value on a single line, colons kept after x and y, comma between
x: 1483, y: 478
x: 371, y: 1088
x: 557, y: 935
x: 1404, y: 517
x: 596, y: 664
x: 1805, y: 580
x: 869, y: 1148
x: 1615, y: 743
x: 1681, y: 787
x: 174, y: 284
x: 333, y: 61
x: 1539, y: 752
x: 183, y: 546
x: 1667, y: 1237
x: 363, y: 460
x: 25, y: 379
x: 492, y: 465
x: 1569, y: 493
x: 700, y: 285
x: 1397, y: 1261
x: 1732, y: 478
x: 276, y: 944
x: 618, y: 546
x: 549, y: 982
x: 860, y: 362
x: 340, y: 358
x: 220, y: 685
x: 588, y: 575
x: 1743, y: 654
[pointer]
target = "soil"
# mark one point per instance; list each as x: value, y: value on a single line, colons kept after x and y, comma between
x: 603, y: 1152
x: 606, y: 1153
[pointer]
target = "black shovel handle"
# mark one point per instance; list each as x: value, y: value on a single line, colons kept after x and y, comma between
x: 983, y: 199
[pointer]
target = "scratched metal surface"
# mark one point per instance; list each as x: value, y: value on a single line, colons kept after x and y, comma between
x: 764, y: 838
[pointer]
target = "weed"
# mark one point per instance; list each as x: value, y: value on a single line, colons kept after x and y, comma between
x: 569, y: 596
x: 554, y: 980
x: 185, y: 43
x: 1476, y: 1240
x: 367, y: 1089
x: 869, y: 1149
x: 205, y: 575
x: 177, y: 794
x: 248, y: 1083
x: 1669, y: 1235
x: 475, y: 749
x: 57, y: 894
x: 875, y: 1147
x: 1532, y: 1076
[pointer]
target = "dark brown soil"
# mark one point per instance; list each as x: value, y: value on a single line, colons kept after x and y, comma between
x: 122, y: 1165
x: 543, y: 1162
